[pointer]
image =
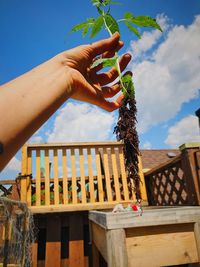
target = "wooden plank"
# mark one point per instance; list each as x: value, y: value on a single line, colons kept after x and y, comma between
x: 24, y: 172
x: 56, y: 185
x: 99, y: 176
x: 53, y: 243
x: 47, y: 178
x: 82, y: 175
x: 151, y: 216
x: 99, y: 239
x: 197, y: 237
x: 107, y: 175
x: 115, y: 174
x: 95, y: 255
x: 75, y: 207
x: 123, y: 173
x: 74, y: 144
x: 74, y: 186
x: 29, y: 171
x: 90, y: 174
x: 37, y: 178
x: 117, y: 254
x: 142, y: 184
x: 65, y: 183
x: 34, y: 254
x: 76, y: 243
x: 155, y: 246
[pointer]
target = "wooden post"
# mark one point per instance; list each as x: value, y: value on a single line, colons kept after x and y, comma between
x: 24, y: 172
x: 197, y: 237
x: 189, y: 167
x: 142, y: 186
x: 116, y: 245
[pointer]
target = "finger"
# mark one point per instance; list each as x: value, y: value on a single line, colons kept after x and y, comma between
x: 111, y: 106
x: 102, y: 46
x: 111, y: 75
x: 112, y: 51
x: 110, y: 91
x: 108, y: 54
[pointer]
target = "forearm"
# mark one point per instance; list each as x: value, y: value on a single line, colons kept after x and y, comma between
x: 28, y: 101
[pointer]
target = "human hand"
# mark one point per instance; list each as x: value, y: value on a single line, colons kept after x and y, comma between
x: 85, y: 83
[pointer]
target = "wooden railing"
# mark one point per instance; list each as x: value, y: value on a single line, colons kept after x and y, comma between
x: 176, y: 182
x: 75, y: 176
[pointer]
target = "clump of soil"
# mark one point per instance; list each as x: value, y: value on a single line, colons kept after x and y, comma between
x: 125, y: 131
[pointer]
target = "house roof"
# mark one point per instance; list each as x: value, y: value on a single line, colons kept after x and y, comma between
x: 154, y: 157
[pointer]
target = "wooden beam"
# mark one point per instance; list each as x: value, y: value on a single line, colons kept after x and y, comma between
x: 76, y: 243
x: 53, y: 243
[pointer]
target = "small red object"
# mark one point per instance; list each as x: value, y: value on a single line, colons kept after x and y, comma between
x: 134, y: 207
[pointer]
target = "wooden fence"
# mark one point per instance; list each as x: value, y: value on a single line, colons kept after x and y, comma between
x: 176, y: 182
x: 75, y: 176
x: 62, y: 240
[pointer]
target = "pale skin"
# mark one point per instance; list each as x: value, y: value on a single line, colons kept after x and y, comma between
x: 29, y: 100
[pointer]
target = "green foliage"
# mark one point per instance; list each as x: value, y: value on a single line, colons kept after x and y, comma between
x: 128, y: 86
x: 106, y: 62
x: 111, y: 25
x: 96, y: 26
x: 99, y: 3
x: 84, y: 26
x: 142, y: 21
x: 133, y: 29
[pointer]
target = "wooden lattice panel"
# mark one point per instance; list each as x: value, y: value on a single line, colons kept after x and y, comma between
x: 171, y: 183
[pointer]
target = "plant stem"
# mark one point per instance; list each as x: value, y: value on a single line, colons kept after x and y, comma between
x: 117, y: 63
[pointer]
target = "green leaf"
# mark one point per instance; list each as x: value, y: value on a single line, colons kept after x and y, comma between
x: 84, y: 26
x: 133, y: 29
x: 107, y: 62
x: 97, y: 26
x: 111, y: 23
x: 79, y: 26
x: 128, y: 86
x: 143, y: 21
x: 85, y: 30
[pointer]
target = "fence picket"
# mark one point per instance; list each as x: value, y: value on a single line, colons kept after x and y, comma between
x: 65, y: 183
x: 90, y: 174
x: 47, y: 183
x: 74, y: 185
x: 83, y: 191
x: 107, y: 175
x: 38, y: 182
x: 99, y: 176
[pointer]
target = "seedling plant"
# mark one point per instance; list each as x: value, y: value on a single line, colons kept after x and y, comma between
x: 125, y: 129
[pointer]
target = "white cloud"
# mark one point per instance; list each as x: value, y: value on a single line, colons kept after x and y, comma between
x: 13, y: 165
x: 139, y: 48
x: 169, y: 76
x: 147, y: 145
x: 81, y: 122
x: 184, y: 131
x: 35, y: 139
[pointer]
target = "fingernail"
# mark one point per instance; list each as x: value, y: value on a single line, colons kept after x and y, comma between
x: 128, y: 55
x: 116, y: 34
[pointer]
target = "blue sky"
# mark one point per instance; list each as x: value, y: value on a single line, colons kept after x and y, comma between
x: 165, y: 66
